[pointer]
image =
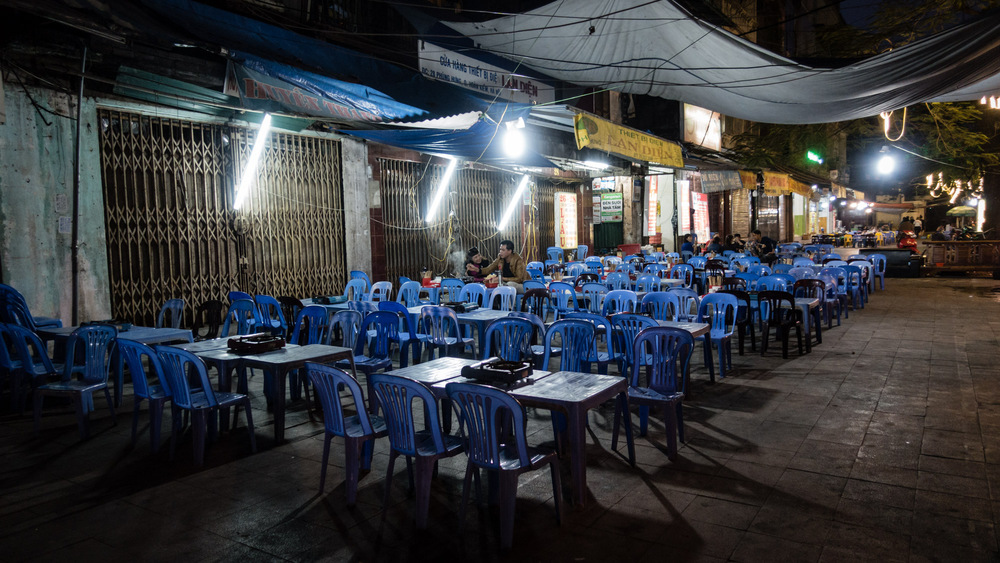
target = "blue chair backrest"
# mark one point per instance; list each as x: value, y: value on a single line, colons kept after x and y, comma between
x: 174, y: 308
x: 554, y: 253
x: 672, y: 348
x: 537, y: 274
x: 803, y: 261
x: 453, y: 286
x: 619, y: 301
x: 683, y: 272
x: 94, y: 343
x: 594, y: 267
x: 853, y: 273
x: 237, y: 295
x: 381, y: 290
x: 626, y: 326
x: 385, y: 324
x: 312, y: 326
x: 674, y: 256
x: 601, y: 324
x: 835, y: 263
x: 562, y: 295
x: 771, y: 283
x: 801, y: 272
x: 534, y: 319
x: 618, y: 280
x: 654, y: 269
x: 789, y: 279
x: 697, y: 261
x: 438, y: 323
x: 577, y: 343
x: 686, y: 255
x: 329, y: 383
x: 487, y: 416
x: 575, y: 269
x: 178, y: 366
x: 594, y: 294
x: 244, y: 313
x: 506, y: 296
x: 759, y: 270
x: 612, y: 262
x: 533, y: 284
x: 397, y: 397
x: 830, y: 257
x: 781, y: 268
x: 509, y: 338
x: 535, y: 265
x: 473, y: 293
x: 350, y: 326
x: 356, y: 289
x: 647, y: 283
x: 661, y: 305
x: 359, y: 275
x: 269, y: 312
x: 30, y: 350
x: 400, y: 311
x: 879, y: 261
x: 811, y: 248
x: 14, y: 311
x: 751, y: 279
x: 689, y: 301
x: 719, y: 311
x: 839, y: 275
x: 830, y: 283
x: 363, y: 307
x: 409, y: 294
x: 133, y: 353
x: 626, y: 268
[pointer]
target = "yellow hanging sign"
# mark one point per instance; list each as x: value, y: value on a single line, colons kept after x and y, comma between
x: 603, y: 135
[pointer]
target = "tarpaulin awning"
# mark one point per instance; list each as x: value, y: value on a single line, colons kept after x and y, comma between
x: 659, y: 49
x: 479, y: 143
x: 358, y: 87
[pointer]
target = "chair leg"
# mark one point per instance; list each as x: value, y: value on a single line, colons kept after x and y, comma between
x: 424, y: 473
x: 82, y: 417
x: 176, y: 420
x: 557, y: 488
x: 388, y: 482
x: 199, y: 428
x: 680, y: 421
x: 155, y: 424
x: 352, y: 454
x: 508, y: 497
x: 707, y: 346
x: 250, y: 429
x: 326, y: 460
x: 111, y: 406
x: 135, y: 417
x: 469, y: 469
x: 670, y: 421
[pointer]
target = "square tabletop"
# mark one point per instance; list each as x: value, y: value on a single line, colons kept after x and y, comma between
x: 696, y: 329
x: 144, y: 334
x: 204, y: 345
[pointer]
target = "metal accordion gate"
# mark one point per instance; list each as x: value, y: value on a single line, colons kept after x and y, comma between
x: 172, y: 231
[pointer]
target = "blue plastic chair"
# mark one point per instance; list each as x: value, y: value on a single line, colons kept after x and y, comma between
x: 10, y: 369
x: 201, y: 401
x: 801, y: 272
x: 537, y: 275
x: 534, y: 284
x: 831, y: 256
x: 562, y: 298
x: 777, y: 309
x: 536, y: 301
x: 683, y: 272
x: 577, y: 342
x: 554, y: 253
x: 759, y: 270
x: 879, y: 261
x: 494, y: 428
x: 237, y: 295
x: 398, y: 397
x: 594, y: 266
x: 359, y: 275
x: 171, y: 314
x: 473, y: 293
x: 409, y: 294
x: 356, y: 290
x: 269, y: 315
x: 745, y: 321
x: 312, y: 326
x: 647, y: 283
x: 509, y: 338
x: 781, y: 268
x: 10, y: 295
x: 244, y: 313
x: 453, y: 287
x: 381, y: 291
x: 655, y: 269
x: 535, y: 265
x: 689, y: 301
x: 385, y: 326
x: 661, y: 305
x: 503, y: 298
x: 574, y: 270
x: 358, y: 430
x: 31, y: 358
x: 618, y: 280
x: 719, y: 310
x: 751, y: 280
x: 593, y: 294
x: 602, y: 326
x: 612, y: 262
x: 406, y: 336
x: 664, y: 382
x: 788, y: 278
x: 772, y: 283
x: 619, y: 301
x: 537, y: 337
x: 92, y: 344
x: 144, y: 366
x: 625, y: 327
x: 697, y: 261
x: 855, y: 285
x: 438, y: 329
x: 832, y: 298
x: 581, y: 252
x: 803, y: 261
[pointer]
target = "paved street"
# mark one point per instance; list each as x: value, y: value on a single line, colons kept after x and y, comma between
x: 882, y: 444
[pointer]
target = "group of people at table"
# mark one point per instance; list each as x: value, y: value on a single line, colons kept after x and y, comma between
x: 648, y: 334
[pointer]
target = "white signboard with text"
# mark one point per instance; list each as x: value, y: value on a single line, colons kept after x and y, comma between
x: 566, y: 220
x: 465, y: 71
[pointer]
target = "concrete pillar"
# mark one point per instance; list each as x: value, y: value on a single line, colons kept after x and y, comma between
x: 357, y: 204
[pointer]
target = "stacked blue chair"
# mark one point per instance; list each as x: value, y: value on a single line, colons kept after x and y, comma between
x: 562, y: 296
x: 473, y: 293
x: 554, y: 253
x: 664, y: 382
x: 602, y: 327
x: 581, y: 252
x: 593, y: 294
x: 577, y: 342
x: 400, y: 398
x: 270, y: 318
x: 719, y: 310
x: 772, y: 283
x: 879, y: 261
x: 625, y: 327
x: 409, y: 343
x: 438, y: 329
x: 689, y: 303
x: 509, y: 339
x: 381, y: 291
x: 500, y: 448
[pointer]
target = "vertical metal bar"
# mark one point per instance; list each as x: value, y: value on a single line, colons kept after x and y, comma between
x: 75, y: 248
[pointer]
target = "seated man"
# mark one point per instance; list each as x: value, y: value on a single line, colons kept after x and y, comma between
x: 512, y: 268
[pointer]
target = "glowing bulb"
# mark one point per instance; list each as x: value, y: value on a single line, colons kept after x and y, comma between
x: 513, y: 143
x: 886, y: 165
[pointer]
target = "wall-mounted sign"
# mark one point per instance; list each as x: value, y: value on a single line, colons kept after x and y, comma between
x: 462, y: 70
x: 702, y: 127
x: 683, y: 206
x: 713, y: 181
x: 603, y: 135
x: 566, y: 220
x: 612, y: 207
x: 700, y: 204
x: 652, y: 195
x: 597, y: 209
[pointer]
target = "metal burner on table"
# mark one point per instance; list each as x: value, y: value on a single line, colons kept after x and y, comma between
x: 498, y: 372
x: 255, y: 343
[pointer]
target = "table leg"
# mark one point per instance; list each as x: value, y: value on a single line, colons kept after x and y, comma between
x: 576, y: 427
x: 278, y: 378
x: 119, y: 362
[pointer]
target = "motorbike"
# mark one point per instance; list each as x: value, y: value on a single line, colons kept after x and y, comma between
x: 907, y: 240
x: 968, y: 233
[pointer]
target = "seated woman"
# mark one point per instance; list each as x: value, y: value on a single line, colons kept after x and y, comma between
x: 715, y: 247
x: 474, y: 264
